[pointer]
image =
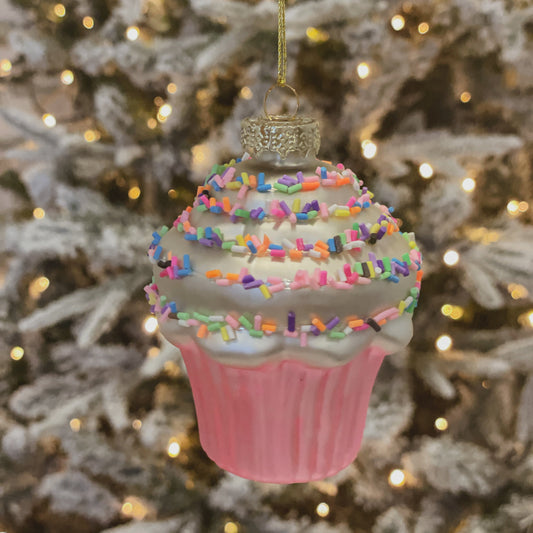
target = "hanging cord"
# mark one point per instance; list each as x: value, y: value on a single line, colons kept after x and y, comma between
x: 282, y: 63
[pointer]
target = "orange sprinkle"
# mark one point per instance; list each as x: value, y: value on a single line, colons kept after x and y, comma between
x: 202, y: 331
x: 382, y: 322
x: 226, y: 204
x: 390, y: 228
x: 189, y: 209
x: 355, y: 210
x: 232, y: 277
x: 319, y: 324
x: 322, y: 245
x: 268, y: 327
x: 296, y: 255
x: 310, y: 185
x: 419, y: 275
x: 247, y: 237
x: 213, y: 273
x: 253, y: 181
x: 266, y: 240
x: 261, y: 250
x: 323, y: 253
x: 356, y: 323
x: 187, y: 226
x: 343, y: 181
x: 212, y: 202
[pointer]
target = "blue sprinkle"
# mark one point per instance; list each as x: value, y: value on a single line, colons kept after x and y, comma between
x: 239, y: 179
x: 173, y: 307
x: 264, y: 188
x: 215, y: 209
x: 366, y: 204
x: 190, y: 237
x: 251, y: 246
x: 239, y: 159
x: 261, y: 178
x: 323, y: 173
x: 208, y: 232
x: 184, y: 272
x: 391, y: 209
x: 187, y: 262
x: 157, y: 237
x: 275, y: 247
x: 215, y: 186
x: 331, y: 245
x: 302, y: 216
x: 261, y: 215
x: 393, y: 278
x: 157, y: 253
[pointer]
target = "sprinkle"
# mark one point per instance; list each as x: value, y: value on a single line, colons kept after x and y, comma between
x: 245, y: 322
x: 232, y: 322
x: 281, y: 187
x: 213, y: 274
x: 224, y: 332
x: 269, y: 327
x: 324, y: 213
x: 202, y: 331
x: 255, y: 333
x: 303, y: 339
x: 288, y: 244
x: 239, y: 249
x: 264, y: 290
x: 278, y: 287
x: 333, y: 322
x: 373, y: 324
x: 252, y: 247
x: 277, y: 253
x: 264, y: 188
x: 318, y: 324
x: 291, y: 321
x: 337, y: 334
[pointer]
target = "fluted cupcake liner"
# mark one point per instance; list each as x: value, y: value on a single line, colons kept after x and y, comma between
x: 282, y: 422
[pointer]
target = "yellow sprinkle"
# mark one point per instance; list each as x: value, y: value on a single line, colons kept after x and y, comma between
x: 234, y: 185
x: 296, y: 205
x: 224, y: 332
x: 342, y: 213
x: 412, y: 244
x: 374, y: 228
x: 240, y: 240
x: 401, y: 307
x: 245, y: 179
x: 151, y: 299
x: 384, y: 223
x: 371, y: 269
x: 265, y: 291
x: 371, y: 194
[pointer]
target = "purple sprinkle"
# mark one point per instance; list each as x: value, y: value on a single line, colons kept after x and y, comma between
x: 287, y: 180
x: 254, y: 213
x: 372, y: 257
x: 164, y: 308
x: 175, y: 270
x: 381, y: 232
x: 300, y: 176
x: 364, y: 231
x: 206, y: 242
x: 307, y: 208
x: 315, y: 331
x: 382, y: 218
x: 333, y: 322
x: 285, y: 207
x: 216, y: 239
x: 381, y: 265
x: 365, y: 190
x: 315, y: 205
x: 308, y: 247
x: 253, y: 284
x: 248, y: 278
x: 291, y: 321
x: 152, y: 309
x: 233, y: 218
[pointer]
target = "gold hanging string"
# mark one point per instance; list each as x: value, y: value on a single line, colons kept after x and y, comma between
x: 282, y: 45
x: 282, y: 63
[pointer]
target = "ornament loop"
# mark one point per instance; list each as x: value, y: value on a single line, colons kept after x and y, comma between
x: 281, y: 86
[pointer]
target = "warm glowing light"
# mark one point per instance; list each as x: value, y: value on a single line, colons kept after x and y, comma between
x: 173, y: 448
x: 231, y: 527
x: 158, y: 101
x: 59, y: 10
x: 465, y: 97
x: 316, y: 36
x: 246, y: 93
x: 199, y: 153
x: 91, y: 136
x: 17, y: 353
x: 397, y: 478
x: 423, y: 28
x: 153, y: 352
x: 134, y: 193
x: 446, y: 309
x: 530, y: 318
x: 75, y: 425
x: 67, y: 77
x: 38, y: 286
x: 450, y: 258
x: 49, y: 120
x: 165, y: 110
x: 150, y: 324
x: 132, y: 33
x: 526, y: 319
x: 38, y: 213
x: 88, y: 23
x: 441, y: 424
x: 134, y: 507
x: 517, y: 291
x: 523, y: 207
x: 172, y: 193
x: 363, y: 70
x: 457, y: 312
x: 151, y: 123
x: 425, y: 170
x: 137, y: 424
x: 468, y: 184
x: 444, y: 343
x: 172, y: 88
x: 322, y: 509
x: 397, y: 22
x: 513, y: 207
x: 5, y: 67
x: 369, y: 149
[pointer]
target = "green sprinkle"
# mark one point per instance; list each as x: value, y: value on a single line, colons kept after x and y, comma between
x: 201, y: 208
x: 200, y: 232
x: 312, y: 214
x: 414, y: 292
x: 242, y: 213
x: 163, y: 300
x: 184, y: 316
x: 337, y: 335
x: 406, y: 236
x: 295, y: 188
x: 281, y: 187
x: 245, y: 322
x: 218, y: 232
x: 180, y: 226
x: 201, y: 318
x: 215, y: 326
x: 343, y: 238
x: 386, y: 264
x: 163, y: 230
x: 385, y: 275
x: 355, y: 226
x: 359, y: 269
x: 406, y: 258
x: 255, y: 333
x: 226, y: 245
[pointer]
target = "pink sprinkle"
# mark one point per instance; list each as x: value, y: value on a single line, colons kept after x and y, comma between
x: 184, y: 216
x: 170, y: 272
x: 268, y: 333
x: 176, y: 222
x: 274, y: 204
x: 418, y: 284
x: 243, y: 272
x: 232, y: 322
x: 413, y: 266
x: 163, y: 273
x: 292, y: 334
x: 218, y: 181
x: 223, y: 282
x: 353, y: 278
x: 385, y: 314
x: 394, y: 315
x: 311, y: 179
x: 151, y: 252
x: 256, y: 241
x: 340, y: 166
x: 204, y: 199
x: 303, y: 339
x: 273, y: 280
x: 353, y: 234
x: 277, y: 212
x: 257, y: 322
x: 277, y: 253
x: 348, y: 233
x: 277, y: 288
x: 332, y: 175
x: 341, y: 285
x: 174, y: 261
x: 351, y: 201
x: 323, y: 277
x: 347, y: 270
x: 328, y: 182
x: 318, y: 170
x: 364, y: 281
x: 292, y: 218
x: 324, y: 210
x: 193, y: 322
x: 361, y: 328
x: 300, y: 244
x: 229, y: 175
x: 242, y: 192
x: 295, y: 285
x: 364, y: 198
x: 192, y: 230
x: 164, y: 317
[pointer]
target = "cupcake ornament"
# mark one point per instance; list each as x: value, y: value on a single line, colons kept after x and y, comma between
x: 284, y: 285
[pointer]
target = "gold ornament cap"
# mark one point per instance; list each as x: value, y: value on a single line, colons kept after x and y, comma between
x: 285, y: 139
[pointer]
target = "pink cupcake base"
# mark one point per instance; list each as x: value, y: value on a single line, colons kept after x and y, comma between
x: 282, y: 422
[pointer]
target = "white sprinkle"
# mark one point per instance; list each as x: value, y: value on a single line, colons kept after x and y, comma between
x: 288, y: 244
x: 305, y: 329
x: 314, y: 253
x: 332, y: 208
x: 348, y: 330
x: 342, y: 275
x: 216, y: 318
x: 239, y: 249
x: 183, y: 323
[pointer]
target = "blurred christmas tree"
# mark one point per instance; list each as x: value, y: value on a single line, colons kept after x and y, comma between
x: 111, y: 110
